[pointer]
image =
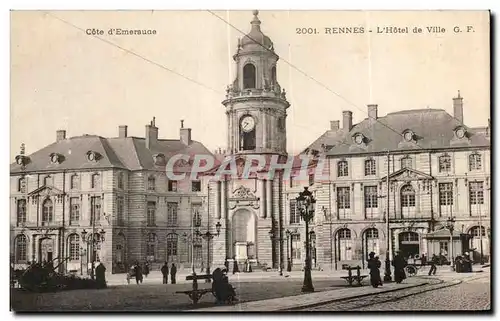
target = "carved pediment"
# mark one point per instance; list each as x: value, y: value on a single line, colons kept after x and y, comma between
x: 243, y: 192
x: 408, y: 174
x: 46, y: 191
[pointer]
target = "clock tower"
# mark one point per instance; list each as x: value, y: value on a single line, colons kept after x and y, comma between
x: 255, y: 103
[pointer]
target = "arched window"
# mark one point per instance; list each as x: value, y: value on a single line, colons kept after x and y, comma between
x: 21, y: 186
x: 74, y: 181
x: 342, y: 169
x: 370, y: 167
x: 249, y: 78
x: 151, y: 246
x: 74, y: 247
x: 95, y: 181
x: 406, y: 162
x: 371, y: 242
x: 21, y: 247
x: 444, y: 164
x: 407, y: 201
x: 475, y: 162
x: 171, y: 245
x: 344, y: 244
x: 21, y: 211
x: 47, y: 211
x: 273, y: 75
x: 151, y: 183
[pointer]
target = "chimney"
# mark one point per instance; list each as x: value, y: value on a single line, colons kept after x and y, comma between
x: 458, y: 108
x: 60, y: 135
x: 372, y: 112
x: 151, y: 134
x: 185, y: 134
x: 122, y: 131
x: 335, y: 125
x: 347, y: 120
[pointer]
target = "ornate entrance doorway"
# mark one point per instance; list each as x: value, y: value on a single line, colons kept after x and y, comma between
x: 244, y: 227
x: 46, y: 253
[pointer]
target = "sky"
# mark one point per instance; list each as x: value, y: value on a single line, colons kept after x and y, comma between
x: 62, y: 78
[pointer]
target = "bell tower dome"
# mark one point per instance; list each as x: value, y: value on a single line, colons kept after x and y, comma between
x: 255, y: 102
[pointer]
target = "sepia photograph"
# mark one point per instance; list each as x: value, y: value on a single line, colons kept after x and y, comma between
x: 250, y: 161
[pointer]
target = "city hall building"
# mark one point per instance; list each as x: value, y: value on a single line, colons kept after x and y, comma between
x: 90, y: 198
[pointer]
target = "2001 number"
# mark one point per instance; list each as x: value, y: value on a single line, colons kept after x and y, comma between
x: 306, y: 31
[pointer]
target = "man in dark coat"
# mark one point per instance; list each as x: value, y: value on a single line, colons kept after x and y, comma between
x: 399, y: 264
x: 138, y: 273
x: 434, y: 261
x: 164, y: 272
x: 235, y: 266
x: 173, y: 272
x: 226, y: 264
x: 374, y: 265
x: 146, y: 268
x: 100, y: 276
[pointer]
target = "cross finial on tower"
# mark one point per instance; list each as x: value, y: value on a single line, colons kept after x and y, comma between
x: 182, y: 123
x: 22, y: 149
x: 256, y: 13
x: 458, y: 94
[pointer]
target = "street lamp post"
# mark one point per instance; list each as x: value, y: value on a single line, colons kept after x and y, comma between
x: 274, y: 238
x: 208, y: 236
x: 288, y: 250
x: 387, y: 273
x: 94, y: 241
x: 450, y: 225
x: 186, y: 240
x: 306, y: 203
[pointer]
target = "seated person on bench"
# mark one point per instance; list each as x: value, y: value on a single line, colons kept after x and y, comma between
x: 224, y: 292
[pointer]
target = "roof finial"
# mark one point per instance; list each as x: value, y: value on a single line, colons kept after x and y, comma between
x: 458, y: 94
x: 255, y: 21
x: 182, y: 123
x: 154, y: 120
x: 22, y: 149
x: 256, y: 13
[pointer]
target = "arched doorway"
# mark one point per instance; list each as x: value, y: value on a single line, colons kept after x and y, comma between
x: 344, y: 245
x: 46, y: 253
x: 244, y: 235
x: 370, y: 243
x: 478, y: 242
x: 409, y: 243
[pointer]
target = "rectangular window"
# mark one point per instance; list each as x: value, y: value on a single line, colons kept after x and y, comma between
x: 476, y: 193
x: 294, y: 212
x: 171, y: 214
x: 119, y: 210
x: 171, y: 245
x: 445, y: 193
x: 151, y: 218
x: 95, y: 209
x: 172, y: 186
x: 371, y: 199
x: 444, y: 164
x: 342, y: 169
x: 74, y: 216
x: 370, y: 167
x: 21, y: 212
x: 74, y: 247
x: 151, y: 184
x: 296, y: 246
x: 443, y: 248
x: 196, y: 186
x: 343, y: 198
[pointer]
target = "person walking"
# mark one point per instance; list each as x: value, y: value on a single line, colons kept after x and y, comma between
x: 399, y: 264
x: 138, y: 273
x: 173, y: 272
x: 146, y: 269
x: 164, y: 272
x: 226, y: 264
x: 374, y: 265
x: 434, y: 261
x: 235, y: 266
x: 100, y: 276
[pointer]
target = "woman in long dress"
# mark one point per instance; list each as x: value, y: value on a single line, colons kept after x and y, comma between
x: 374, y: 265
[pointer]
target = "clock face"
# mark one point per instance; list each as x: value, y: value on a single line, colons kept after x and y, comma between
x: 20, y: 161
x: 247, y: 124
x: 460, y: 133
x: 359, y: 139
x: 54, y: 159
x: 408, y: 136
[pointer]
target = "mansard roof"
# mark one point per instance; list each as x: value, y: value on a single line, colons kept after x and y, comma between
x: 432, y: 129
x: 128, y: 153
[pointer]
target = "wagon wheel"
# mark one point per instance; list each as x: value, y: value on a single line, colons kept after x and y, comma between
x: 411, y: 270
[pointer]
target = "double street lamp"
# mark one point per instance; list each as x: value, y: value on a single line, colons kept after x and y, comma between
x: 305, y: 204
x: 450, y: 225
x: 208, y: 236
x: 276, y: 236
x: 95, y: 239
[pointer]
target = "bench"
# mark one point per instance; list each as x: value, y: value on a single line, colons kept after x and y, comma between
x: 351, y: 278
x: 195, y: 294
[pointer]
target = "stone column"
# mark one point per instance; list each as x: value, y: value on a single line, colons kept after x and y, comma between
x: 218, y: 199
x: 417, y: 200
x: 269, y: 199
x: 223, y: 204
x: 263, y: 208
x: 264, y: 129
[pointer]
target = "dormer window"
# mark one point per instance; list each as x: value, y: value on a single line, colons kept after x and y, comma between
x: 159, y: 159
x: 408, y: 135
x: 359, y: 138
x: 55, y: 158
x: 460, y: 132
x: 93, y: 156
